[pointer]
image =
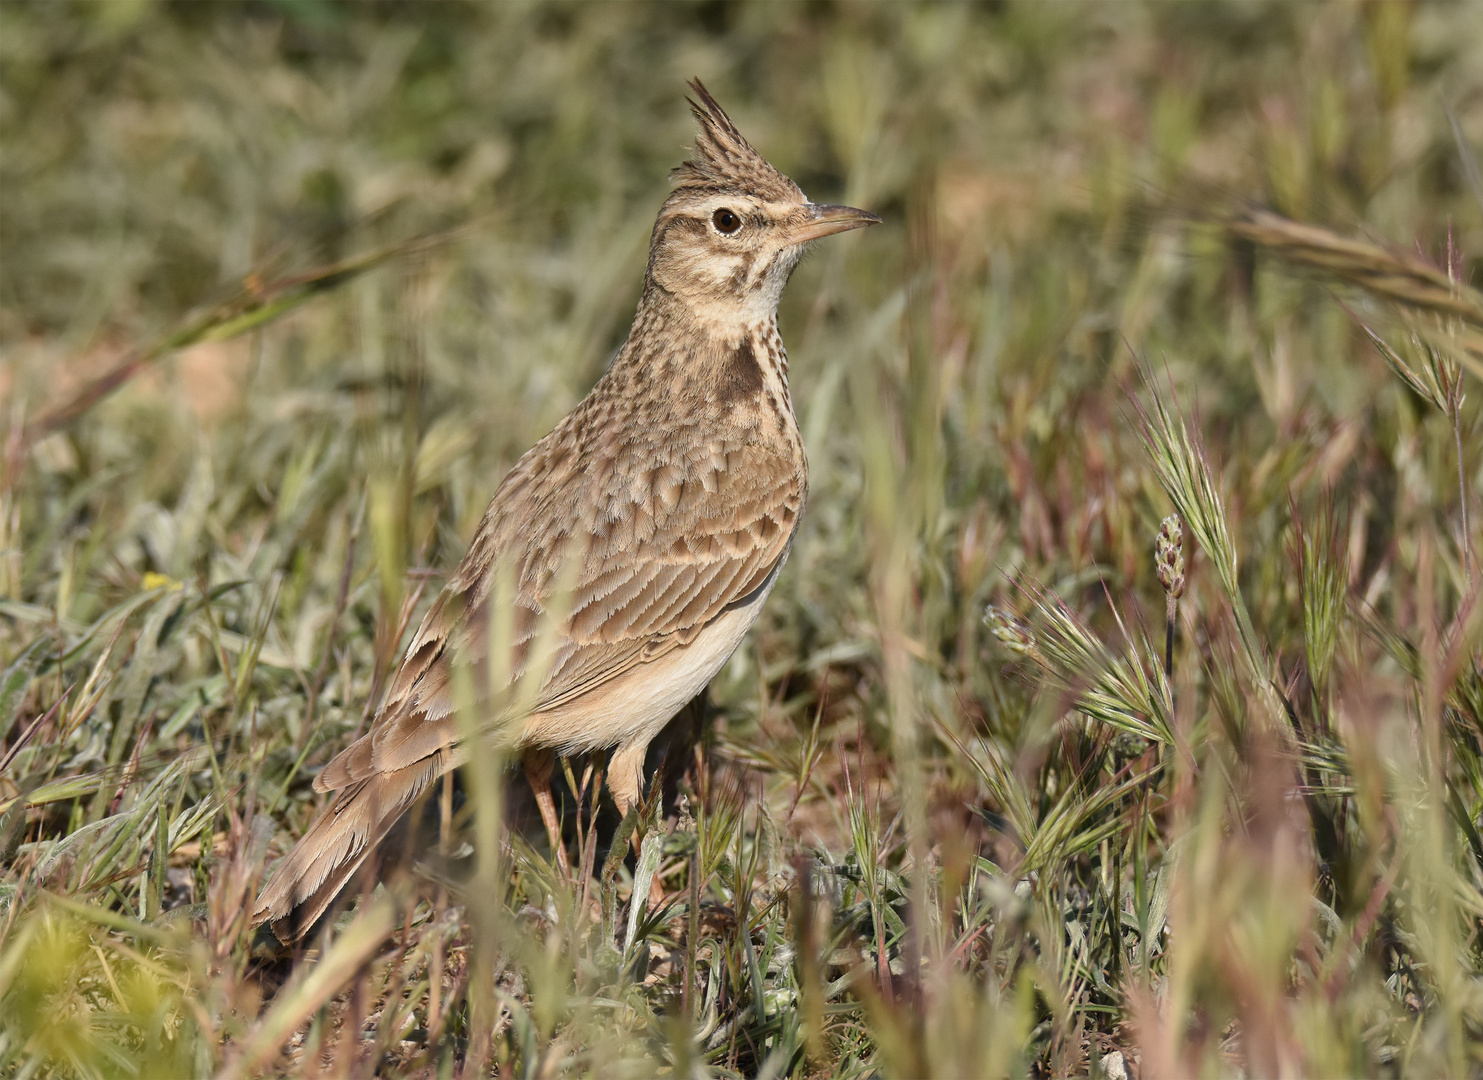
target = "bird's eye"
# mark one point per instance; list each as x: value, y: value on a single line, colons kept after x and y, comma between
x: 726, y: 221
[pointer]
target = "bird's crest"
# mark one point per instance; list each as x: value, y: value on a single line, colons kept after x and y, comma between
x: 724, y: 159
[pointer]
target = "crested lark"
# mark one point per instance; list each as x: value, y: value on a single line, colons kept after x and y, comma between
x: 660, y: 509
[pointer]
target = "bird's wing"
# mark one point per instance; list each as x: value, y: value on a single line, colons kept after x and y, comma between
x: 664, y: 536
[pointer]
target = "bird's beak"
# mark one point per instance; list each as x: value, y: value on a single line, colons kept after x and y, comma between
x: 828, y: 220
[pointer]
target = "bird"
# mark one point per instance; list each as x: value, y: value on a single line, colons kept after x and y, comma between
x: 625, y: 555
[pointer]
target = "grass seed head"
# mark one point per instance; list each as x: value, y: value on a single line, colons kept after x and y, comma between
x: 1168, y: 556
x: 1012, y: 633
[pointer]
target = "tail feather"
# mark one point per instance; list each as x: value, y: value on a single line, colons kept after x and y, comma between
x: 335, y: 847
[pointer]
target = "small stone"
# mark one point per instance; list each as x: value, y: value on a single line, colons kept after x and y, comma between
x: 1113, y: 1067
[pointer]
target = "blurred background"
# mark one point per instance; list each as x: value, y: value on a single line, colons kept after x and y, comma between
x: 286, y: 286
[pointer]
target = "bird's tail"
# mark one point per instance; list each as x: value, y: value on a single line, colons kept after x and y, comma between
x: 329, y: 854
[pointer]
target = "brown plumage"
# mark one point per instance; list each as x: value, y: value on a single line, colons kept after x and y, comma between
x: 637, y: 541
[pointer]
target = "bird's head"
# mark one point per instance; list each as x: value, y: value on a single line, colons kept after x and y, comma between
x: 734, y: 227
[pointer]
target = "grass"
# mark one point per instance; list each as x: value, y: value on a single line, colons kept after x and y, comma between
x: 286, y: 286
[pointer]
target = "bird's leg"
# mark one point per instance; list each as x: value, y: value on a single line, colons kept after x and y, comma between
x: 626, y: 782
x: 538, y: 762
